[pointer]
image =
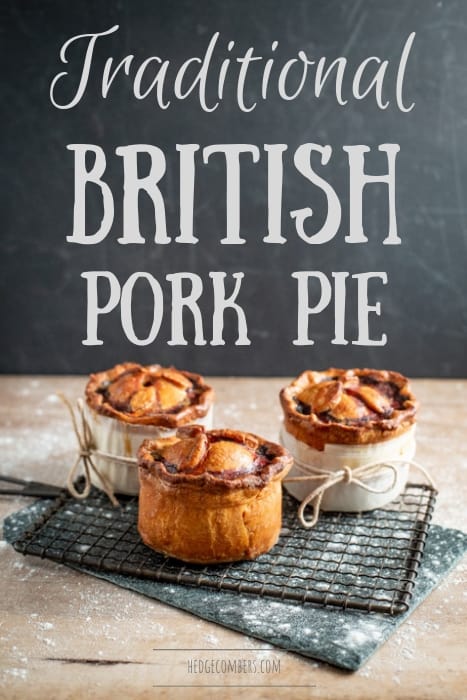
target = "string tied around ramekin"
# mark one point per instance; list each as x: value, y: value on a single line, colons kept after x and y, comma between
x: 347, y: 475
x: 87, y: 452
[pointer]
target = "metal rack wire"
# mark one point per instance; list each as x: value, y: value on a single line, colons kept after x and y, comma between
x: 364, y: 561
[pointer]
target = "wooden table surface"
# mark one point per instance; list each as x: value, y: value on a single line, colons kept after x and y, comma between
x: 64, y: 634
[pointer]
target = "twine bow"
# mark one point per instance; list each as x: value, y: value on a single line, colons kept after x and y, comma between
x: 87, y: 450
x: 347, y: 475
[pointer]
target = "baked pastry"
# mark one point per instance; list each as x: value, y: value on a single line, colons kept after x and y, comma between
x: 348, y: 418
x: 131, y: 402
x: 211, y: 496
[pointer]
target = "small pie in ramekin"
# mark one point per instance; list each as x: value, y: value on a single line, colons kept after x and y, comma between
x: 339, y: 418
x: 131, y: 402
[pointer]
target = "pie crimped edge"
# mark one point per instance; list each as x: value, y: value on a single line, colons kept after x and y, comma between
x: 318, y: 428
x: 199, y: 403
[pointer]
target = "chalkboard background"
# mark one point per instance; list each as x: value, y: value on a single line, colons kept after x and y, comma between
x: 424, y: 308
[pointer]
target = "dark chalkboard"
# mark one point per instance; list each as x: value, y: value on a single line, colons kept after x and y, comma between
x: 423, y: 304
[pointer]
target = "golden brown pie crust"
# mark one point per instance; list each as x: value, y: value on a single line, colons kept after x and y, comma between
x: 211, y: 496
x: 354, y: 406
x: 149, y: 395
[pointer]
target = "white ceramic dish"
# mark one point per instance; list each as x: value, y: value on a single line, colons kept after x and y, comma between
x: 350, y: 497
x: 123, y: 440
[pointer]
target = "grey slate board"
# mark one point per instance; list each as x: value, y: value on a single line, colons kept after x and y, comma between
x: 342, y: 638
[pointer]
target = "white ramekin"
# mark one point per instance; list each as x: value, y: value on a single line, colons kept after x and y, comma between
x: 123, y: 440
x: 350, y: 497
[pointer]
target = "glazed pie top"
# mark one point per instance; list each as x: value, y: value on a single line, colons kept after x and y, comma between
x: 217, y: 459
x: 151, y: 395
x: 354, y: 406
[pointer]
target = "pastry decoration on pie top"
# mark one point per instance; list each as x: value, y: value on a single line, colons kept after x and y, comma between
x: 336, y: 418
x: 131, y: 402
x: 355, y: 406
x: 151, y: 395
x: 211, y: 496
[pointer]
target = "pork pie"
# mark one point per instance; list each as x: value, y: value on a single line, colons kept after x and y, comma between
x: 211, y: 496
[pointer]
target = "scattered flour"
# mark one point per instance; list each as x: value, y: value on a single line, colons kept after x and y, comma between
x: 46, y: 626
x: 211, y: 639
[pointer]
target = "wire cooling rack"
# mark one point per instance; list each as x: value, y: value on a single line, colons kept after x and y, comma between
x: 365, y: 561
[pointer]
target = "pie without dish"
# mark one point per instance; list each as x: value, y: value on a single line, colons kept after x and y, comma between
x: 211, y: 496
